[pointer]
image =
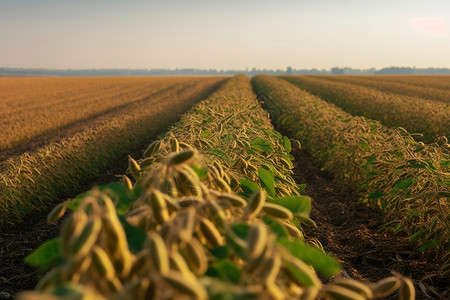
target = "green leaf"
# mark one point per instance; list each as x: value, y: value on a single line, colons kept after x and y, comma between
x: 375, y: 195
x: 370, y: 160
x: 273, y: 133
x: 119, y: 194
x: 248, y: 186
x: 287, y: 144
x: 269, y: 166
x: 428, y: 245
x: 445, y: 163
x: 305, y: 219
x: 301, y: 187
x: 205, y: 134
x: 417, y: 166
x: 444, y: 193
x: 299, y: 276
x: 262, y: 145
x: 46, y: 254
x: 200, y: 170
x: 236, y: 238
x: 404, y: 184
x: 413, y: 212
x: 220, y: 154
x: 225, y: 270
x: 364, y: 146
x: 416, y: 235
x: 267, y: 181
x: 241, y: 230
x: 135, y: 236
x: 276, y: 228
x: 220, y: 252
x: 418, y: 149
x: 296, y: 204
x: 322, y: 262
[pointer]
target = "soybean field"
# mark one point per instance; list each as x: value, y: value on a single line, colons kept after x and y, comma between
x: 290, y: 187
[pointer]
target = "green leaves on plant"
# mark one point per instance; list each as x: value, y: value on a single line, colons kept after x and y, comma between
x: 248, y: 187
x: 267, y: 181
x: 375, y: 195
x: 287, y: 144
x: 261, y: 145
x: 135, y: 236
x: 46, y: 254
x: 220, y: 154
x: 296, y: 204
x: 404, y: 184
x: 322, y: 262
x: 119, y: 194
x: 205, y: 134
x: 225, y: 270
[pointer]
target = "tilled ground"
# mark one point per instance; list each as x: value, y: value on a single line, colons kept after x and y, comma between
x: 348, y: 230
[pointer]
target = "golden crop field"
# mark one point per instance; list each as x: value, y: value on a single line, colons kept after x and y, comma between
x: 214, y: 209
x: 397, y: 87
x: 35, y: 106
x: 193, y: 234
x: 428, y: 81
x: 417, y: 115
x: 30, y: 181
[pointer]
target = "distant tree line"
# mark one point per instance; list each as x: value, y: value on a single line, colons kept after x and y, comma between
x: 193, y: 71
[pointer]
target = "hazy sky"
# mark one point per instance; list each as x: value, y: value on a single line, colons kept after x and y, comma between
x: 222, y: 34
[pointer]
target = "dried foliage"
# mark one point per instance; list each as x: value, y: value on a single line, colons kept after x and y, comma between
x: 430, y: 118
x: 32, y: 182
x: 426, y: 81
x: 383, y: 84
x: 35, y: 106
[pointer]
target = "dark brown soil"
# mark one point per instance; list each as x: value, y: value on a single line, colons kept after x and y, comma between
x: 350, y: 231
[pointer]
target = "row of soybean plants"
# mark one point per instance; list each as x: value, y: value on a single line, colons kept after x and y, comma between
x: 383, y: 84
x: 32, y: 182
x: 407, y: 179
x: 417, y: 115
x: 213, y: 213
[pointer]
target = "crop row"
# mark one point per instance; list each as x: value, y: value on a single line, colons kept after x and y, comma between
x: 409, y: 180
x: 400, y: 88
x: 182, y: 231
x: 430, y: 118
x: 426, y: 81
x: 31, y: 182
x: 31, y: 107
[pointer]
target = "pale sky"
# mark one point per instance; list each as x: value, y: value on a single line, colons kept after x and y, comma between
x: 231, y: 34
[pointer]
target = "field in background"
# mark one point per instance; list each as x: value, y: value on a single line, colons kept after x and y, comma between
x: 429, y: 118
x: 33, y: 107
x: 58, y: 162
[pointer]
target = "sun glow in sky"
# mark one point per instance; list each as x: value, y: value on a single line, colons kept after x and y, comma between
x: 229, y: 34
